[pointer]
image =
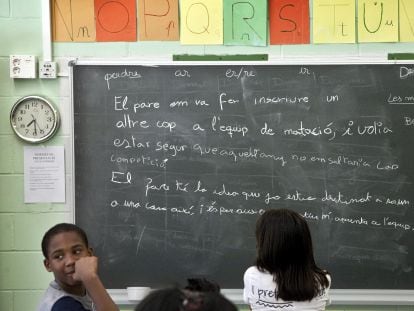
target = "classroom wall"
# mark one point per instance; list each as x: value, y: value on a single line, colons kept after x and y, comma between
x: 22, y: 276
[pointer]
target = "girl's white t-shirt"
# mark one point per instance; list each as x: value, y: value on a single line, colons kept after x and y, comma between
x: 260, y: 293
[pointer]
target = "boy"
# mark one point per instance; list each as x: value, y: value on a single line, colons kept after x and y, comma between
x: 77, y: 286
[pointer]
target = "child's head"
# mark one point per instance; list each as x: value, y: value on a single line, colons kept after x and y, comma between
x: 60, y: 228
x: 283, y: 240
x: 63, y: 245
x: 174, y: 299
x: 202, y: 285
x: 166, y: 299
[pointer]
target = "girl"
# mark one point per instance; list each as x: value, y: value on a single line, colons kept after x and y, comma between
x: 285, y: 276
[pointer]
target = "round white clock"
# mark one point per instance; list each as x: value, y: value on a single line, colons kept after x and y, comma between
x: 34, y: 119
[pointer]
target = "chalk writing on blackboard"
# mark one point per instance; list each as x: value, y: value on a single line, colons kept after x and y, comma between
x: 185, y: 158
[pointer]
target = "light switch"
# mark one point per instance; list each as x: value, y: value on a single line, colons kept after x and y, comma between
x: 47, y: 70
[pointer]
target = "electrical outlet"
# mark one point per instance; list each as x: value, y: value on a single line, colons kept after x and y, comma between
x: 23, y: 66
x: 47, y: 70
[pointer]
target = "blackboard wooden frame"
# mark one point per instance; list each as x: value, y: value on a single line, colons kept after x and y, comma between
x: 339, y: 296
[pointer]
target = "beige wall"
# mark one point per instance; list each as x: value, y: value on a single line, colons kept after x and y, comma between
x: 22, y: 276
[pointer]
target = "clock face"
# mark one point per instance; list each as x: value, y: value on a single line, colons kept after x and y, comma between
x: 34, y: 119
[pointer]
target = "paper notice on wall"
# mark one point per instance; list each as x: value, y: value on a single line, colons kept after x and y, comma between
x: 44, y: 174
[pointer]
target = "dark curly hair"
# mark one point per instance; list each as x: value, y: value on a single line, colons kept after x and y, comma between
x: 175, y: 299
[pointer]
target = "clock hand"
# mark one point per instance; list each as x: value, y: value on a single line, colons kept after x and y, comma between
x: 30, y: 123
x: 37, y: 124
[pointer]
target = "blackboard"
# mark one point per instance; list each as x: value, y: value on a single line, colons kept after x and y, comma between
x: 174, y: 163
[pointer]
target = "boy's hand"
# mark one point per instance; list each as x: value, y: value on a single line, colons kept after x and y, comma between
x: 86, y: 271
x: 86, y: 268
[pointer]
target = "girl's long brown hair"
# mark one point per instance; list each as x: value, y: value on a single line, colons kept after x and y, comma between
x: 284, y: 248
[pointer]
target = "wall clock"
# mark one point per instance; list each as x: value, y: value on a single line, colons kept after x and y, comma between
x: 34, y: 119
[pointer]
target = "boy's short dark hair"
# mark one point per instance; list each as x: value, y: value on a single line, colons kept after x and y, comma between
x: 60, y: 228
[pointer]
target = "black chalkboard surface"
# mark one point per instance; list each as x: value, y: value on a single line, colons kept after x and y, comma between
x: 174, y: 163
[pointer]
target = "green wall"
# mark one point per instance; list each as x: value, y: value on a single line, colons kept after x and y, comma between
x: 22, y: 276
